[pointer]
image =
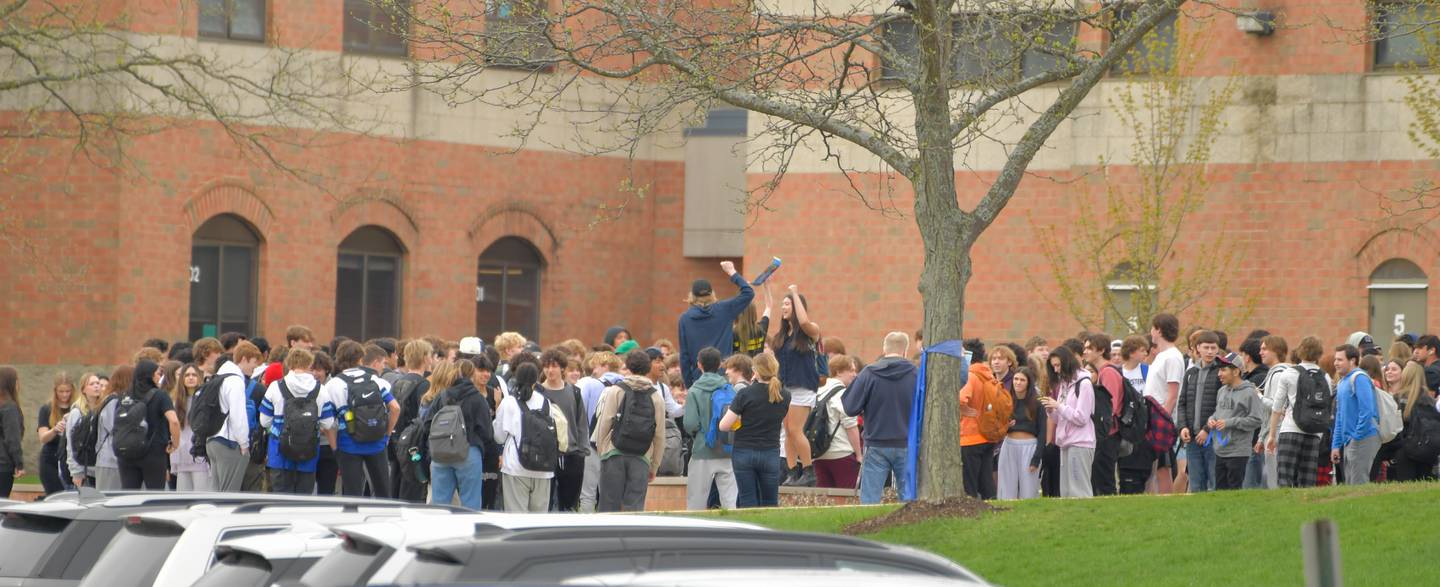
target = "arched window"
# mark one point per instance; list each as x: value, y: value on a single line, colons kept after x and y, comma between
x: 507, y: 289
x: 1123, y: 299
x: 367, y: 285
x: 224, y: 256
x: 1398, y: 290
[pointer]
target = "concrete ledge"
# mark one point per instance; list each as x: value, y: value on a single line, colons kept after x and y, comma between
x: 667, y: 494
x: 27, y: 492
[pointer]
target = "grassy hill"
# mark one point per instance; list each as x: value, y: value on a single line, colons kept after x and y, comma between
x: 1389, y: 535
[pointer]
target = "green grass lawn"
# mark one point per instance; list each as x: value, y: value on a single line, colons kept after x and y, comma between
x: 1389, y: 535
x: 30, y: 478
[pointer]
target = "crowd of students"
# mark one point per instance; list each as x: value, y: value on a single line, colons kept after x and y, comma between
x: 737, y: 409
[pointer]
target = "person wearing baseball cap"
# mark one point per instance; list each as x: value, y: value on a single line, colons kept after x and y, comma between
x: 708, y: 322
x: 1364, y: 342
x: 1238, y: 414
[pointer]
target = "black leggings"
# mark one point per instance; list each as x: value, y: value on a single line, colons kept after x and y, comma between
x: 327, y: 471
x: 354, y: 469
x: 150, y: 471
x: 7, y: 481
x: 569, y: 476
x: 50, y: 472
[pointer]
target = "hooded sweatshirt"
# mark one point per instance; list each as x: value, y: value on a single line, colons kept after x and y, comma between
x: 1242, y: 412
x: 479, y: 424
x: 982, y: 382
x: 698, y: 415
x: 712, y: 326
x: 1073, y: 426
x: 612, y: 332
x: 272, y: 417
x: 882, y: 393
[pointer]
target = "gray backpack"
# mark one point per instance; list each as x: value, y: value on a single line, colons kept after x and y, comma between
x: 449, y: 444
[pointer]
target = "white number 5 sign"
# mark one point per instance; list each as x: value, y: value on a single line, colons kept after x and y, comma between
x: 1399, y: 324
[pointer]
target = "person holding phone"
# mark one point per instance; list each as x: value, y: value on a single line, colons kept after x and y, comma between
x: 1071, y: 407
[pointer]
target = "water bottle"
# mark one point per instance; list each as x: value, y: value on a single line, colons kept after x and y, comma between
x: 765, y: 275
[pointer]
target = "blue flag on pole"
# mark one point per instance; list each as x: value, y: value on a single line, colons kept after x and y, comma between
x: 917, y: 411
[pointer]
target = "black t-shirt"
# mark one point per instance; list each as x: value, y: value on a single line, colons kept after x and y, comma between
x: 1432, y: 377
x: 155, y: 408
x: 43, y: 421
x: 759, y: 419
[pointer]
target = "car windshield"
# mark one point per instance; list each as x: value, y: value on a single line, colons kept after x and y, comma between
x: 136, y: 554
x: 351, y: 564
x: 428, y: 570
x: 24, y: 538
x: 237, y: 569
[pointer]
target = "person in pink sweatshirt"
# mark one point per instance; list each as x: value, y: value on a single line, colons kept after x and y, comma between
x: 1071, y: 405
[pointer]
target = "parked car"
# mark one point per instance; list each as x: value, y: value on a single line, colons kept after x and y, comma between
x: 786, y: 577
x: 375, y: 553
x: 55, y: 542
x: 259, y: 561
x: 551, y: 555
x: 175, y: 548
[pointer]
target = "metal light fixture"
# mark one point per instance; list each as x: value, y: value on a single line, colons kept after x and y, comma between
x: 1258, y: 22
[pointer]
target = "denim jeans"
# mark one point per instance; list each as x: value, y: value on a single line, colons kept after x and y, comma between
x: 468, y: 477
x: 1200, y: 467
x: 879, y: 463
x: 757, y: 475
x: 1255, y: 472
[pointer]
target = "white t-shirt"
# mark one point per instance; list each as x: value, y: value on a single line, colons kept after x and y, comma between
x: 507, y: 433
x: 1136, y: 375
x: 840, y: 441
x: 1168, y: 367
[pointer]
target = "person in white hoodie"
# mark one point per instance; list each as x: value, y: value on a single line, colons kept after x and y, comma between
x: 522, y: 490
x: 229, y: 449
x: 286, y: 475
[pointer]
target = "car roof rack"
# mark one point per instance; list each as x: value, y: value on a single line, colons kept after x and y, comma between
x: 348, y: 505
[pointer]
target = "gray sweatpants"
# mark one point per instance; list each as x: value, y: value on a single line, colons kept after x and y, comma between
x: 697, y: 485
x: 107, y: 478
x: 590, y: 486
x: 1359, y: 456
x: 525, y: 494
x: 1014, y: 478
x: 227, y: 467
x: 1075, y: 466
x: 624, y: 481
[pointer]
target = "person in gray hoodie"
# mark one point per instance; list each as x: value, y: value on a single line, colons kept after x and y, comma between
x: 707, y: 464
x: 883, y: 393
x: 1238, y: 414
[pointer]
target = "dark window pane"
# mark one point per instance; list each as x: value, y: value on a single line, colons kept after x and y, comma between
x: 522, y: 300
x: 984, y: 48
x: 375, y: 29
x: 351, y: 564
x: 1048, y: 36
x: 900, y: 36
x: 357, y: 25
x: 235, y: 298
x: 1404, y: 29
x: 489, y: 301
x: 381, y: 296
x: 507, y: 295
x: 25, y: 539
x: 247, y: 20
x: 1156, y: 50
x: 204, y: 287
x: 136, y: 554
x: 236, y: 569
x: 212, y: 19
x: 349, y: 296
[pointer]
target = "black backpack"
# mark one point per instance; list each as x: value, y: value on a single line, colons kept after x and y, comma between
x: 369, y: 416
x: 1103, y: 415
x: 634, y: 429
x: 538, y: 446
x: 1422, y: 434
x: 207, y: 416
x: 410, y: 446
x: 132, y: 431
x: 403, y: 390
x: 817, y: 426
x: 300, y: 434
x: 1314, y: 410
x: 1134, y: 416
x: 87, y: 435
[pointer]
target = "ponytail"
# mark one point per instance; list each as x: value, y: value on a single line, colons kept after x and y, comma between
x: 526, y: 376
x: 767, y: 369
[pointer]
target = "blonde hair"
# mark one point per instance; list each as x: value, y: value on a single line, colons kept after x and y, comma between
x: 508, y: 340
x: 441, y: 378
x: 81, y: 403
x: 1412, y: 384
x: 299, y: 359
x: 767, y: 369
x: 61, y: 378
x: 700, y: 301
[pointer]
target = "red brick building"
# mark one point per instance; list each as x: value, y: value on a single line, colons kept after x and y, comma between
x: 433, y: 226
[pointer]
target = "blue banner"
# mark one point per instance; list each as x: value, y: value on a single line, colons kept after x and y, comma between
x: 917, y: 412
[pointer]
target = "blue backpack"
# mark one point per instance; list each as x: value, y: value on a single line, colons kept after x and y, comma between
x: 719, y: 404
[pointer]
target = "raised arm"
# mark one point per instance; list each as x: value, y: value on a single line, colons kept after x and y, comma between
x: 802, y: 315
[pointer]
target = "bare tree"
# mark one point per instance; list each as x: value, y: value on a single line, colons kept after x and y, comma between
x: 1117, y: 262
x: 77, y: 76
x: 874, y: 89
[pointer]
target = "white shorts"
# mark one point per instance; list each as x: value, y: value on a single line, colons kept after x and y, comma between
x: 801, y: 397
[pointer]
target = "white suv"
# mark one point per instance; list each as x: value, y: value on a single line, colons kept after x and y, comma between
x: 175, y: 548
x: 259, y: 561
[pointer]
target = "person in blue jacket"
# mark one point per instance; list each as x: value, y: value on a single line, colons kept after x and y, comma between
x: 710, y: 323
x: 1356, y: 434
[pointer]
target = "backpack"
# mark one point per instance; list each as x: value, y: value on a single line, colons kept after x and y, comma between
x: 132, y: 431
x: 1133, y: 418
x: 817, y: 426
x: 538, y: 447
x: 634, y: 429
x: 403, y: 390
x: 1313, y: 412
x: 368, y: 416
x: 994, y: 419
x: 448, y: 442
x: 1422, y: 436
x: 300, y: 436
x: 719, y: 404
x: 670, y: 462
x: 1161, y: 430
x: 1388, y: 413
x: 207, y: 416
x: 87, y: 435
